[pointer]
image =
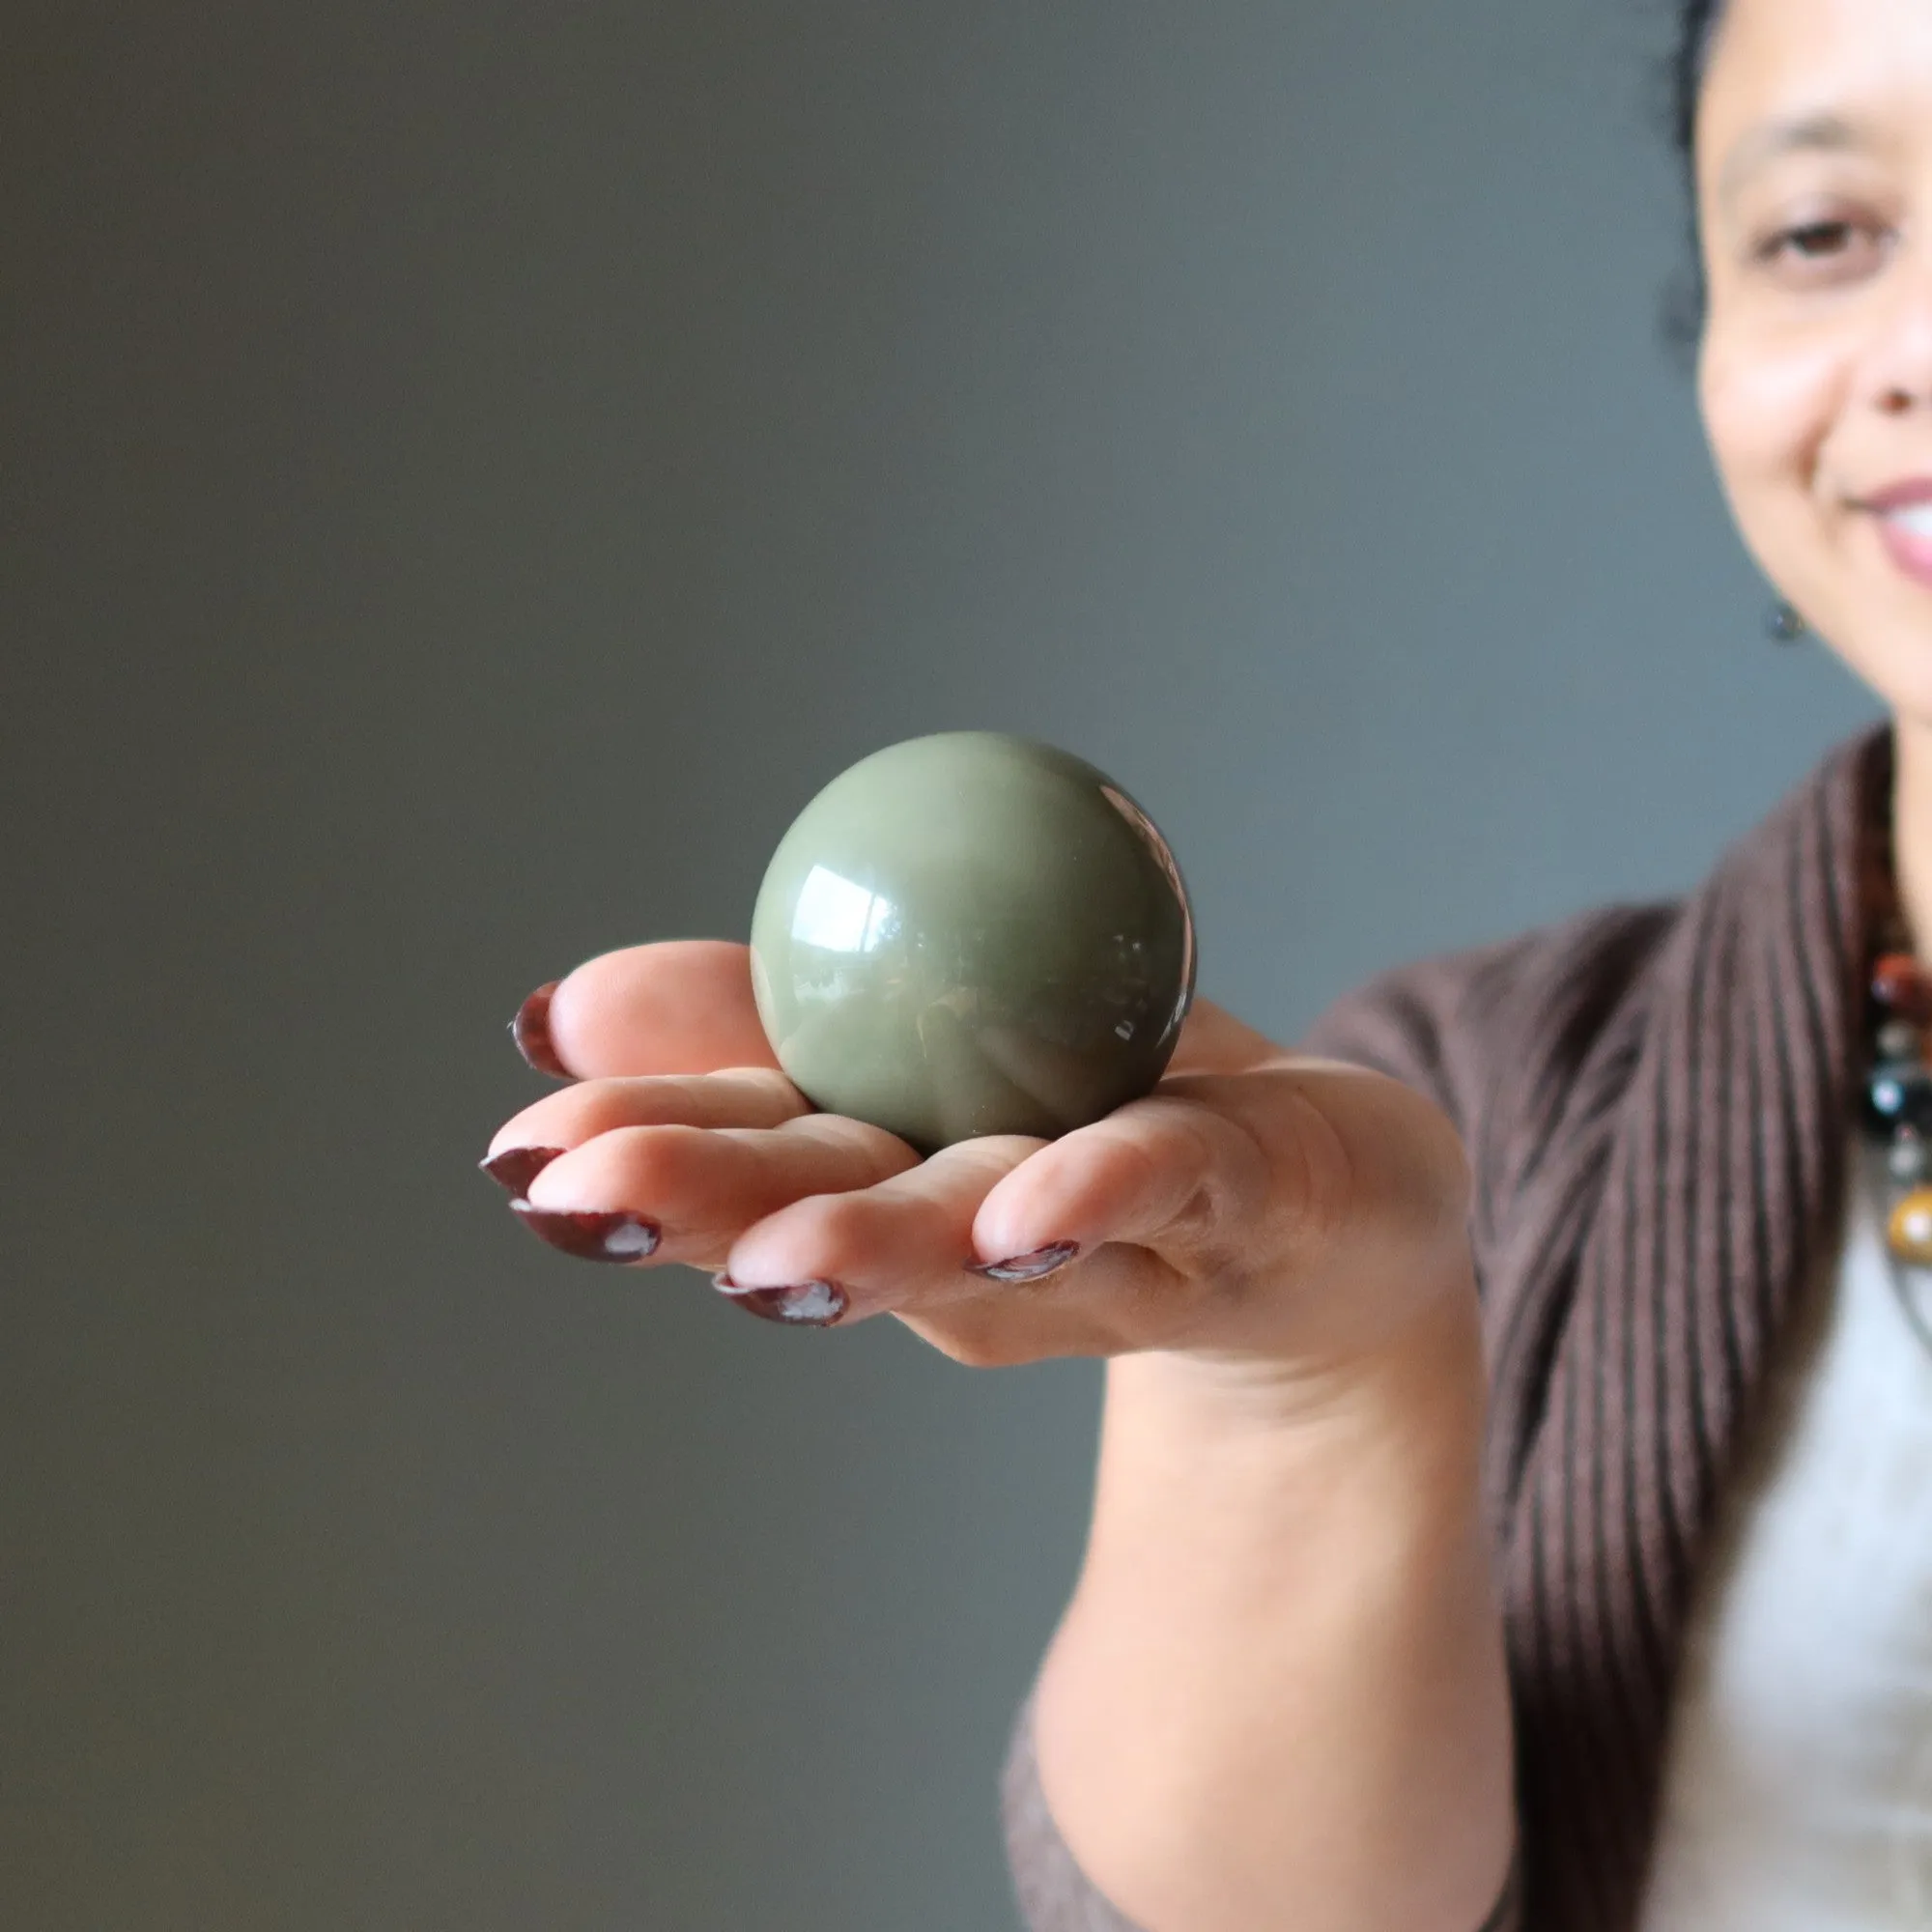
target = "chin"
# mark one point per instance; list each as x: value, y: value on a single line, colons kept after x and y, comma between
x: 1894, y: 660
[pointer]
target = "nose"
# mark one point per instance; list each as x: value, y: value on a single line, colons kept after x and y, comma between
x: 1898, y: 372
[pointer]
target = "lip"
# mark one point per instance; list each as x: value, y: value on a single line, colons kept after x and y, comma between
x: 1899, y: 495
x: 1911, y: 553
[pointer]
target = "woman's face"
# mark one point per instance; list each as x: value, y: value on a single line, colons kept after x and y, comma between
x: 1814, y: 193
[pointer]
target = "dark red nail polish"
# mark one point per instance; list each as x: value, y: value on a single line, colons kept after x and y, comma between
x: 590, y: 1235
x: 1040, y: 1263
x: 805, y: 1304
x: 517, y: 1167
x: 530, y: 1030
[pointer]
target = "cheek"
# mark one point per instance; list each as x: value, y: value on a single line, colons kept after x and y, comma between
x: 1767, y: 413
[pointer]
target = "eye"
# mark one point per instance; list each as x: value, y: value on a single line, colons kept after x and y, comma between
x: 1812, y: 239
x: 1811, y: 243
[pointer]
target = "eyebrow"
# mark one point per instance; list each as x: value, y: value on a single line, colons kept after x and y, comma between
x: 1824, y: 132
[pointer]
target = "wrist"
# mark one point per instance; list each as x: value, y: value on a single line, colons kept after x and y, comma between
x: 1300, y: 1482
x: 1281, y: 1675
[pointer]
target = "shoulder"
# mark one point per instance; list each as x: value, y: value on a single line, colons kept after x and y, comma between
x: 1464, y: 1026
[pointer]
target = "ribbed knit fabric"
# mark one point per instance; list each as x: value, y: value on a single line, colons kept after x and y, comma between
x: 1654, y: 1099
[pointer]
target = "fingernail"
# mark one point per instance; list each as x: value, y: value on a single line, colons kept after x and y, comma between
x: 530, y: 1030
x: 590, y: 1235
x: 1039, y: 1263
x: 805, y: 1304
x: 517, y: 1167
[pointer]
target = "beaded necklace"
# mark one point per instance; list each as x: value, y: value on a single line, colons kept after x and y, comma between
x: 1896, y: 1111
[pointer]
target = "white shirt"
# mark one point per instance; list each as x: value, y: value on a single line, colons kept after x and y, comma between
x: 1798, y: 1783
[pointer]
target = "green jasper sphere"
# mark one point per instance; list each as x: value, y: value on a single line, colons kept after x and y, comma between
x: 969, y: 934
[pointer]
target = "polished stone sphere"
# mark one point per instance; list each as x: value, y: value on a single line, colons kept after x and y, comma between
x: 971, y: 934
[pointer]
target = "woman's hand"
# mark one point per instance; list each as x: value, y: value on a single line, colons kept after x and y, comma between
x: 1278, y: 1693
x: 1256, y: 1205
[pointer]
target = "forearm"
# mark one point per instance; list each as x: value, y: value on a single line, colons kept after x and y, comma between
x: 1278, y: 1696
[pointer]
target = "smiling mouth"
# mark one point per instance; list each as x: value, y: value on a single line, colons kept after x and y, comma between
x: 1906, y: 536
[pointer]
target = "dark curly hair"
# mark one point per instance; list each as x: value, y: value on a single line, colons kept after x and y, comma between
x: 1682, y: 313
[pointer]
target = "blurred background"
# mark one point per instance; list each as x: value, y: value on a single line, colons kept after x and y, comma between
x: 469, y: 473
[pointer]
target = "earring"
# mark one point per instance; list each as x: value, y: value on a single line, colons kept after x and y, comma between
x: 1782, y: 624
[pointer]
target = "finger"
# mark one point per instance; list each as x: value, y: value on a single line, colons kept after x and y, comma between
x: 1290, y: 1196
x: 745, y: 1097
x: 684, y: 1194
x: 683, y: 1006
x: 1169, y: 1172
x: 1170, y: 1211
x: 905, y: 1241
x: 1212, y: 1040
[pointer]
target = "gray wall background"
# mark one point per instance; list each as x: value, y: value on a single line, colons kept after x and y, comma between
x: 469, y: 474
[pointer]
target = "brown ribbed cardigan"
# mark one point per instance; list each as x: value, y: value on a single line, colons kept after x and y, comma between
x: 1655, y: 1099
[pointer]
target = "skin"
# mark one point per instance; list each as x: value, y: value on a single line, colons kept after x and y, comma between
x: 1815, y: 369
x: 1278, y: 1694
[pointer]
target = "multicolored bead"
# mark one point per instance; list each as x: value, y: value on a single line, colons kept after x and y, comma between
x: 1898, y: 1093
x: 1896, y: 1104
x: 1909, y: 1231
x: 1902, y: 987
x: 1900, y: 1040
